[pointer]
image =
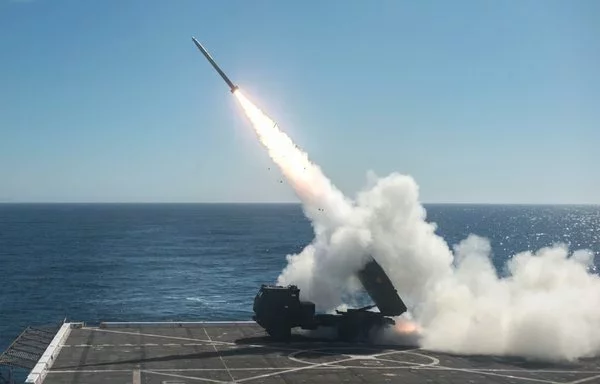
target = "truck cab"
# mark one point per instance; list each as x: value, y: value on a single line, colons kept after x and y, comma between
x: 278, y: 309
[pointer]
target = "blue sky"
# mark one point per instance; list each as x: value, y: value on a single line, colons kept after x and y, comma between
x: 481, y: 101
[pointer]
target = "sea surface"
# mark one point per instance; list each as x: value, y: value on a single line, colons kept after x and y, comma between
x: 156, y: 262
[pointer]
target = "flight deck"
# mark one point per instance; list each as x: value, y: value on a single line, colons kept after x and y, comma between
x: 241, y: 352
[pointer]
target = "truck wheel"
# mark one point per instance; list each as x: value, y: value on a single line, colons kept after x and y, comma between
x: 280, y: 333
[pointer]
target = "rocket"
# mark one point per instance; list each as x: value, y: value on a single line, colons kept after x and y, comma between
x: 232, y: 86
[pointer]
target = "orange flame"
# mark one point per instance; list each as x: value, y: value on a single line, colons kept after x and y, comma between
x: 406, y: 327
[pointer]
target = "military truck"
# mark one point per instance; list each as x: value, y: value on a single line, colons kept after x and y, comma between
x: 279, y: 309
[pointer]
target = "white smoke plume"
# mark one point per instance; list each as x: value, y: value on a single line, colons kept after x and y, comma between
x: 547, y: 308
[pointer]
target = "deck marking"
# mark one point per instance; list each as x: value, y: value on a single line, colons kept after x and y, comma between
x: 410, y: 364
x: 292, y: 370
x: 220, y: 357
x: 532, y: 370
x: 89, y: 370
x: 376, y: 357
x: 163, y: 336
x: 306, y: 367
x: 584, y: 380
x: 137, y: 376
x: 333, y: 366
x: 65, y: 371
x: 434, y: 361
x: 444, y: 368
x: 185, y: 377
x: 139, y: 345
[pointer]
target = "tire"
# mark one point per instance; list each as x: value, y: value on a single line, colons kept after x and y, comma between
x: 280, y: 333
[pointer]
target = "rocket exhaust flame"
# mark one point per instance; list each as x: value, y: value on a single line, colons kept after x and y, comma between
x: 309, y: 183
x: 406, y: 327
x: 294, y: 163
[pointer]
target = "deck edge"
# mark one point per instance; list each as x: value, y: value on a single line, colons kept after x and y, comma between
x: 40, y: 370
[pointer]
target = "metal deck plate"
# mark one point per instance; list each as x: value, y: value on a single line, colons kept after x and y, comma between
x: 222, y: 353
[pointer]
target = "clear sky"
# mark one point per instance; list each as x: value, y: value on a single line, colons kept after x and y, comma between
x: 481, y: 101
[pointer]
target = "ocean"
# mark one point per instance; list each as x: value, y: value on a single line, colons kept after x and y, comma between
x: 158, y: 262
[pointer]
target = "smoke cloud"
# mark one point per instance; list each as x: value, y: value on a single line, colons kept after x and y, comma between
x: 547, y: 307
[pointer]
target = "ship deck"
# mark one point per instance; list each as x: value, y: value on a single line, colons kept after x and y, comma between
x: 177, y: 353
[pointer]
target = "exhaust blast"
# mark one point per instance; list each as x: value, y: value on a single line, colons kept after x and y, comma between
x: 547, y: 308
